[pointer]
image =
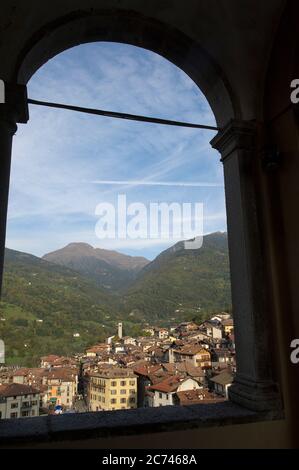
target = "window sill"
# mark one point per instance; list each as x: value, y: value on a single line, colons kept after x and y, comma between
x: 126, y: 422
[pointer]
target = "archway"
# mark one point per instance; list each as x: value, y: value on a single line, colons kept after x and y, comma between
x: 254, y: 386
x: 126, y: 27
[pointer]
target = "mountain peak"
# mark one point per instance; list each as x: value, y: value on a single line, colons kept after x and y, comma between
x: 79, y: 244
x: 109, y: 268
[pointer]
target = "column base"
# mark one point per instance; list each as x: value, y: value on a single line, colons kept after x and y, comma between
x: 256, y: 396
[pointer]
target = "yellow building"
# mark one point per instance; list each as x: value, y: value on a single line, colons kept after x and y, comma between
x: 112, y: 389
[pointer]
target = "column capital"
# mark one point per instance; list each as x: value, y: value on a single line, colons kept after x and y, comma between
x: 235, y: 135
x: 15, y: 108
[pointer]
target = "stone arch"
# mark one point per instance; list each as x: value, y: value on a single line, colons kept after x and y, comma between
x: 130, y: 28
x: 255, y: 386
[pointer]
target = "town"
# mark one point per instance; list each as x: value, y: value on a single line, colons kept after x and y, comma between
x: 185, y: 364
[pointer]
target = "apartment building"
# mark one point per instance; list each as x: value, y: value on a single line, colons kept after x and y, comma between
x: 29, y: 376
x: 162, y: 393
x: 194, y: 354
x: 47, y: 361
x: 98, y: 350
x: 18, y: 401
x: 161, y: 333
x: 112, y: 389
x: 62, y: 386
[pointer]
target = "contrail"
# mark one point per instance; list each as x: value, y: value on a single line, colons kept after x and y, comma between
x: 160, y: 183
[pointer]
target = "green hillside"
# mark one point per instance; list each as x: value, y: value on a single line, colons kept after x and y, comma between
x: 183, y: 284
x: 44, y: 305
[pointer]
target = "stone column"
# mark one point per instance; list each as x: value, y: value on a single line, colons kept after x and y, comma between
x: 12, y: 111
x: 253, y: 386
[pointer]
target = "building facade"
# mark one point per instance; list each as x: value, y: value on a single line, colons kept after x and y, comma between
x: 18, y: 401
x: 112, y: 389
x: 163, y: 393
x: 62, y: 386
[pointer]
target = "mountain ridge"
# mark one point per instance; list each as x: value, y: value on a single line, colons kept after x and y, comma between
x: 108, y: 268
x: 44, y: 303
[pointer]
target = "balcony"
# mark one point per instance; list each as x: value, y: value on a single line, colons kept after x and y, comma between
x: 101, y: 388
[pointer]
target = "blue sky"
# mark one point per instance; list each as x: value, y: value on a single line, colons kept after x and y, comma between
x: 59, y: 155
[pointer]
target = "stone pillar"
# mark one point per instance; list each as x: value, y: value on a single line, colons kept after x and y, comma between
x: 12, y: 111
x: 253, y: 386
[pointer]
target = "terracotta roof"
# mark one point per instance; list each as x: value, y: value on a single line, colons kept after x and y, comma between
x: 113, y: 372
x: 170, y: 384
x: 158, y: 377
x: 192, y: 397
x: 38, y: 371
x: 97, y: 348
x: 50, y: 358
x: 146, y: 370
x: 224, y: 378
x: 30, y: 371
x: 64, y: 360
x: 11, y: 390
x: 191, y: 349
x: 184, y: 367
x: 22, y: 372
x: 62, y: 373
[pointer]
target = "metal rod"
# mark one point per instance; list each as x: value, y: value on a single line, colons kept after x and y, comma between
x: 132, y: 117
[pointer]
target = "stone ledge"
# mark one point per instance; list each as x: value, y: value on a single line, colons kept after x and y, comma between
x: 125, y: 422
